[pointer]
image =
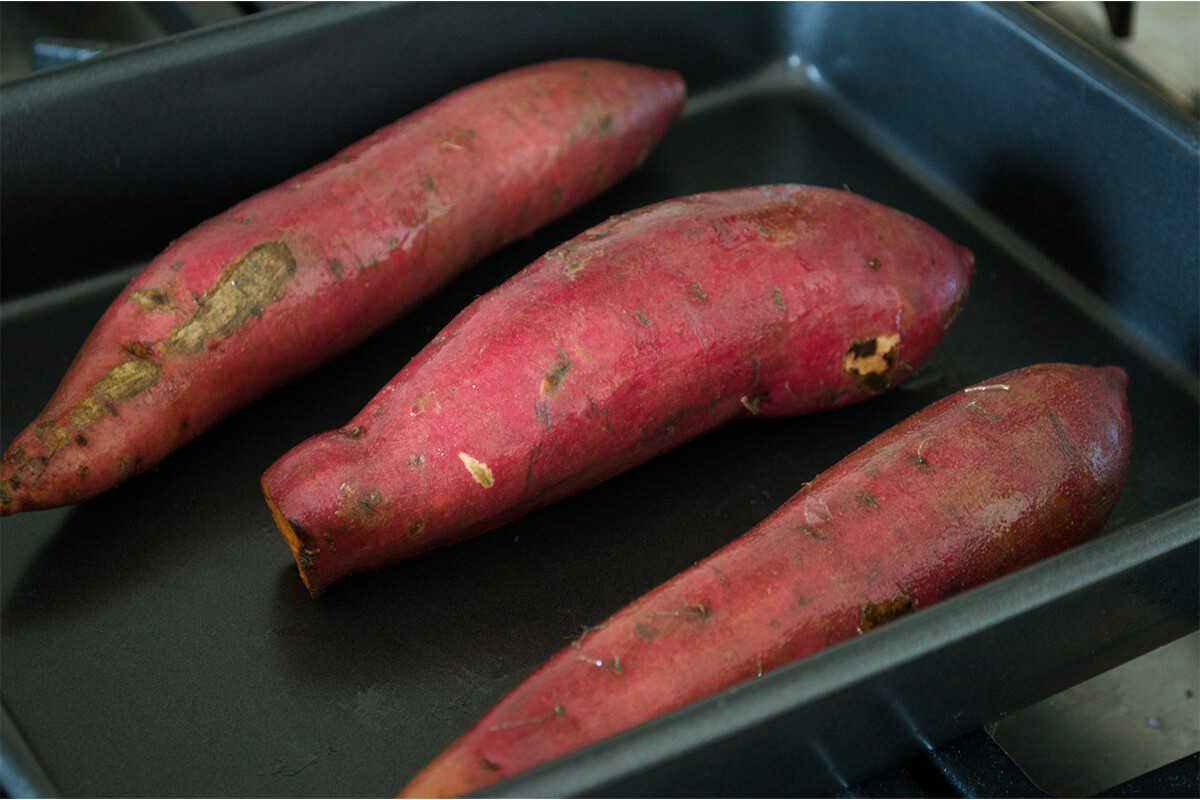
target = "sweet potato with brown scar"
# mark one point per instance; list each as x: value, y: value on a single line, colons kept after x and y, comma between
x: 295, y: 275
x: 986, y: 481
x: 635, y: 336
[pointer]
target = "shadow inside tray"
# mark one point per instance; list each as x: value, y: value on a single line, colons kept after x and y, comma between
x: 1060, y: 220
x: 1048, y: 215
x: 93, y: 556
x: 198, y: 517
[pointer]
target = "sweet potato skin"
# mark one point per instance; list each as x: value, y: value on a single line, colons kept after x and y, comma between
x: 635, y: 336
x: 255, y: 297
x: 981, y: 483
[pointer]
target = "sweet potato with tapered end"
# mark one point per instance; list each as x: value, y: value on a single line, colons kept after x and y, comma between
x: 635, y: 336
x: 280, y: 283
x: 986, y: 481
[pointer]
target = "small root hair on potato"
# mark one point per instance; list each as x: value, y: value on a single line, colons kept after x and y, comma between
x: 613, y: 663
x: 919, y: 458
x: 577, y: 641
x: 989, y: 414
x: 558, y: 712
x: 690, y: 610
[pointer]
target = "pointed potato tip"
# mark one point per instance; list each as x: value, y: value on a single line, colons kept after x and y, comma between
x: 13, y: 496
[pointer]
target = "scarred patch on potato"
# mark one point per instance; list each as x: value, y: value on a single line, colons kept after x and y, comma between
x: 479, y: 470
x: 876, y: 614
x: 243, y: 290
x: 870, y: 362
x: 256, y: 296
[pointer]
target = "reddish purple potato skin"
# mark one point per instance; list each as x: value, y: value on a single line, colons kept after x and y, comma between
x: 981, y: 483
x: 628, y: 340
x: 297, y: 274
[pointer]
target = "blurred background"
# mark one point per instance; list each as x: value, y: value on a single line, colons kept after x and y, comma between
x: 1157, y: 41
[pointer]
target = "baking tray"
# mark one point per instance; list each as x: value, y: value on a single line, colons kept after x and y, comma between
x: 156, y: 641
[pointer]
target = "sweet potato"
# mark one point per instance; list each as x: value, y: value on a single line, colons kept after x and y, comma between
x: 983, y: 482
x: 297, y: 274
x: 633, y: 337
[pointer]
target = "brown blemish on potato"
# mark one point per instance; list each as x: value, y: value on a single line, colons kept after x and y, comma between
x: 876, y: 614
x: 353, y: 431
x: 371, y: 503
x: 125, y: 380
x: 558, y: 370
x: 415, y: 530
x: 245, y: 287
x: 874, y: 263
x: 57, y: 439
x: 579, y: 263
x: 698, y: 291
x: 667, y: 426
x: 83, y: 471
x: 642, y: 319
x: 479, y: 470
x: 811, y: 533
x: 126, y: 467
x: 141, y: 349
x: 152, y: 299
x: 645, y: 631
x: 307, y: 556
x: 541, y: 410
x: 865, y: 498
x: 780, y: 225
x: 777, y: 298
x: 870, y: 362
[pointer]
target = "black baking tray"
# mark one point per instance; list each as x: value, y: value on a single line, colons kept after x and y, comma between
x: 156, y: 641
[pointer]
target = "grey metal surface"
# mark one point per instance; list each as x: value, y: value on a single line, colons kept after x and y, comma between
x: 1109, y: 729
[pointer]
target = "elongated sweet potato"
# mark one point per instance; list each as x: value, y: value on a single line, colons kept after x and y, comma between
x: 295, y: 275
x: 633, y: 337
x: 988, y: 480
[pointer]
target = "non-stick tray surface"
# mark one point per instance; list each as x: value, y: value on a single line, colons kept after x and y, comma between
x: 156, y: 641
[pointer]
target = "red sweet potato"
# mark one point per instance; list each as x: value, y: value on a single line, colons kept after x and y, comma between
x: 297, y: 274
x: 981, y: 483
x: 633, y: 337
